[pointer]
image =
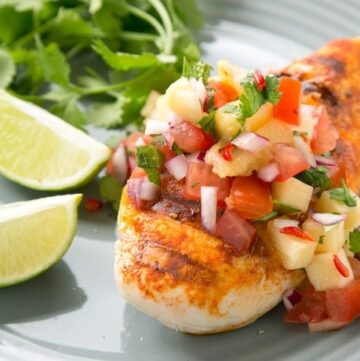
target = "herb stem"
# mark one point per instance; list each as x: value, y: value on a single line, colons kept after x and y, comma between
x: 134, y: 36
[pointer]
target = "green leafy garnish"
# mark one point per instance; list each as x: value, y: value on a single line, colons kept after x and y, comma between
x: 300, y: 134
x: 354, y: 241
x: 176, y: 149
x: 158, y: 140
x: 207, y: 123
x: 316, y: 177
x: 236, y: 109
x: 197, y: 70
x: 321, y: 239
x: 272, y: 93
x: 343, y: 194
x: 106, y: 54
x: 268, y: 216
x: 210, y: 98
x: 194, y: 184
x: 151, y: 160
x: 282, y: 208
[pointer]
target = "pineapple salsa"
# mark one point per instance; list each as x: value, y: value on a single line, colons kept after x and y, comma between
x: 243, y: 150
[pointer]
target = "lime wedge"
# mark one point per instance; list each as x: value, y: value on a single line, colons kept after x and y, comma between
x: 34, y: 235
x: 40, y: 151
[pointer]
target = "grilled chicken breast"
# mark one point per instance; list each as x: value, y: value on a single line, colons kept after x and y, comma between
x: 169, y: 268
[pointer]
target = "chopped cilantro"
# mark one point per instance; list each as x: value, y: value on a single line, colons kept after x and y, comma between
x: 236, y: 109
x: 268, y: 216
x: 300, y: 134
x: 151, y: 160
x: 207, y: 123
x: 210, y: 99
x: 158, y: 140
x: 272, y: 94
x: 354, y: 241
x: 282, y: 208
x: 316, y: 177
x: 321, y: 239
x: 343, y: 194
x: 197, y: 70
x: 194, y: 184
x: 177, y: 149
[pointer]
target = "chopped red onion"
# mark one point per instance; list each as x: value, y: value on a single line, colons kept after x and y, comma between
x: 320, y: 160
x: 177, y: 167
x: 208, y: 208
x: 169, y: 139
x: 120, y: 164
x: 304, y: 149
x: 269, y: 172
x: 196, y: 157
x: 290, y: 298
x: 199, y: 89
x: 155, y: 126
x: 141, y: 189
x: 251, y: 142
x: 328, y: 219
x: 201, y: 156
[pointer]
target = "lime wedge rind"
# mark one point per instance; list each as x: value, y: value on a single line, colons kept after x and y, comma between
x: 97, y: 153
x: 22, y: 259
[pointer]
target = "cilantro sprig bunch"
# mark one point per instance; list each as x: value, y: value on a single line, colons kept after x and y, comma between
x: 104, y: 53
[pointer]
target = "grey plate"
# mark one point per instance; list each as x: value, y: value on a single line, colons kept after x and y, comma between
x: 74, y: 312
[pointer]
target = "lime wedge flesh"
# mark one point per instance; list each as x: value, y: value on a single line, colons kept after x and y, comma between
x: 34, y: 235
x: 40, y: 151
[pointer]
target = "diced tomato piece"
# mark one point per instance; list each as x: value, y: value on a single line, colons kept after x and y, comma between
x: 236, y: 231
x: 311, y: 308
x: 339, y: 174
x: 289, y: 160
x: 224, y: 93
x: 287, y: 109
x: 297, y: 232
x: 200, y: 174
x: 138, y: 173
x: 325, y: 134
x: 259, y: 80
x: 343, y: 304
x: 93, y: 205
x: 168, y: 153
x: 355, y: 266
x: 250, y: 197
x: 190, y: 138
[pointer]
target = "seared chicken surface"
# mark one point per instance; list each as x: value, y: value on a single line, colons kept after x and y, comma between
x: 172, y: 270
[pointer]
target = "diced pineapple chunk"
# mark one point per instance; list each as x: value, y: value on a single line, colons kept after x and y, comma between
x: 330, y: 238
x: 327, y: 205
x: 260, y: 118
x: 226, y: 124
x: 162, y: 110
x: 294, y: 252
x: 183, y: 100
x: 293, y: 193
x: 231, y: 74
x: 277, y: 132
x: 242, y: 164
x: 150, y: 104
x: 324, y: 274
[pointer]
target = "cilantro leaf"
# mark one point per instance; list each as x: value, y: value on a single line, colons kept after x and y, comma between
x: 197, y: 70
x: 207, y: 123
x: 125, y: 61
x: 268, y: 216
x: 354, y: 241
x: 321, y: 239
x: 272, y: 93
x: 343, y: 194
x: 253, y: 99
x: 316, y: 177
x: 236, y: 109
x: 151, y: 160
x: 7, y: 69
x: 282, y: 208
x: 177, y: 149
x: 158, y: 140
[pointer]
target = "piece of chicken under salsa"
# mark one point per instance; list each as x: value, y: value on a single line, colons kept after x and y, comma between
x: 244, y: 156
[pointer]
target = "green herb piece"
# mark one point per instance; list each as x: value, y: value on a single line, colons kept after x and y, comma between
x: 236, y: 109
x: 272, y: 93
x: 327, y: 154
x: 110, y: 189
x: 210, y: 99
x: 300, y: 134
x: 197, y: 70
x: 177, y: 149
x: 7, y: 69
x: 321, y: 239
x: 284, y: 208
x: 316, y: 177
x: 253, y: 99
x: 151, y: 160
x: 194, y: 184
x: 207, y: 123
x: 354, y: 241
x: 342, y: 194
x: 268, y: 216
x: 158, y: 140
